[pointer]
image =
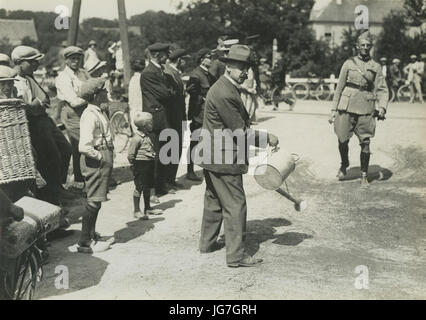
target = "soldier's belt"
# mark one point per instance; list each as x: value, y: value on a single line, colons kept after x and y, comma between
x: 360, y: 88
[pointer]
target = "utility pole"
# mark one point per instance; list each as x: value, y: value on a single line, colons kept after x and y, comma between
x: 75, y: 17
x: 122, y: 19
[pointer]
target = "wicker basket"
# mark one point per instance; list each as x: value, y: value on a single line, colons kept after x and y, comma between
x: 16, y: 158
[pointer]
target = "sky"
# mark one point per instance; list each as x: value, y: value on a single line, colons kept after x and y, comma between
x: 94, y: 8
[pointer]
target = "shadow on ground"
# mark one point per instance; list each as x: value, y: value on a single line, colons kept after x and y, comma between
x: 84, y: 270
x: 135, y: 229
x: 375, y: 172
x: 259, y: 231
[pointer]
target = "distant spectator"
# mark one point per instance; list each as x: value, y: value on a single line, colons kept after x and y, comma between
x: 414, y: 78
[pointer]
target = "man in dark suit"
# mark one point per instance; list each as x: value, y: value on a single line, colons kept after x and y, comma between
x: 156, y: 96
x: 198, y: 85
x: 176, y: 112
x: 224, y: 198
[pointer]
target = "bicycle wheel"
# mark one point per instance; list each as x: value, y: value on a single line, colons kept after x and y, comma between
x: 120, y: 128
x: 21, y: 283
x: 301, y: 91
x: 403, y: 94
x: 323, y: 92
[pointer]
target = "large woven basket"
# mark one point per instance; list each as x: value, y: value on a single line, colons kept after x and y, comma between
x: 16, y: 158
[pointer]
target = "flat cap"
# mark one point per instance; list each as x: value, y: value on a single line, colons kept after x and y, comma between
x: 365, y: 36
x: 413, y: 56
x: 91, y: 87
x: 71, y: 50
x: 92, y: 42
x: 396, y: 60
x: 26, y: 53
x: 4, y: 59
x: 158, y: 46
x: 177, y: 54
x: 383, y: 59
x: 7, y: 73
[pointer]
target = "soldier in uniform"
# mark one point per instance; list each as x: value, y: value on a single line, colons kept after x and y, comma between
x: 361, y: 86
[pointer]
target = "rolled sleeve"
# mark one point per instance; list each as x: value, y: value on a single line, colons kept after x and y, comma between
x: 67, y: 92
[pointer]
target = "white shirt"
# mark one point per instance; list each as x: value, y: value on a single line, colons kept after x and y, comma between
x: 90, y: 59
x: 119, y: 65
x: 135, y: 96
x: 68, y: 82
x: 94, y: 130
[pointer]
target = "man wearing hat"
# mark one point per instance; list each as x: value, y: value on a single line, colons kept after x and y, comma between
x: 225, y: 198
x: 361, y: 86
x: 156, y: 96
x: 217, y: 68
x: 175, y: 110
x: 414, y: 78
x: 199, y: 83
x: 68, y: 83
x: 52, y: 148
x: 4, y: 60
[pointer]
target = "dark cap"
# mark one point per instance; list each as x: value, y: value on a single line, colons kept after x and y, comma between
x: 177, y: 54
x: 158, y: 47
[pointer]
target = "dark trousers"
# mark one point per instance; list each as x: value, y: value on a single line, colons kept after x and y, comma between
x: 193, y: 127
x: 171, y: 169
x: 160, y: 170
x: 224, y: 199
x: 52, y: 149
x: 78, y: 176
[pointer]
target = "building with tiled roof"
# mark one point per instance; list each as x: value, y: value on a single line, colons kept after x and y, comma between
x: 330, y: 18
x: 16, y: 30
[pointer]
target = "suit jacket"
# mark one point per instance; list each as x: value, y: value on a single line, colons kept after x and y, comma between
x: 217, y: 69
x: 367, y: 75
x: 155, y: 95
x: 175, y: 110
x: 198, y: 85
x: 225, y: 113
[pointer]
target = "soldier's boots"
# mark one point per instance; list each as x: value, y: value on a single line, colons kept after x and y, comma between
x: 341, y: 174
x: 364, y: 179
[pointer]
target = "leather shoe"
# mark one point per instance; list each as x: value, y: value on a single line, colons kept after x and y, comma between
x: 247, y: 261
x: 215, y: 247
x: 192, y: 176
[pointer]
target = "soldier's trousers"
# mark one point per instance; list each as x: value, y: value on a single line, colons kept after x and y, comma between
x: 346, y: 124
x: 225, y: 200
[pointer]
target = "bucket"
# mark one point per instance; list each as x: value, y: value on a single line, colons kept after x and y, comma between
x: 279, y: 165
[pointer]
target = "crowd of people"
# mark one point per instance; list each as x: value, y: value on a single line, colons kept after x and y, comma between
x: 223, y: 90
x: 412, y: 74
x: 82, y: 90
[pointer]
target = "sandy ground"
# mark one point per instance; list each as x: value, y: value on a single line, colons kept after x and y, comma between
x: 307, y: 255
